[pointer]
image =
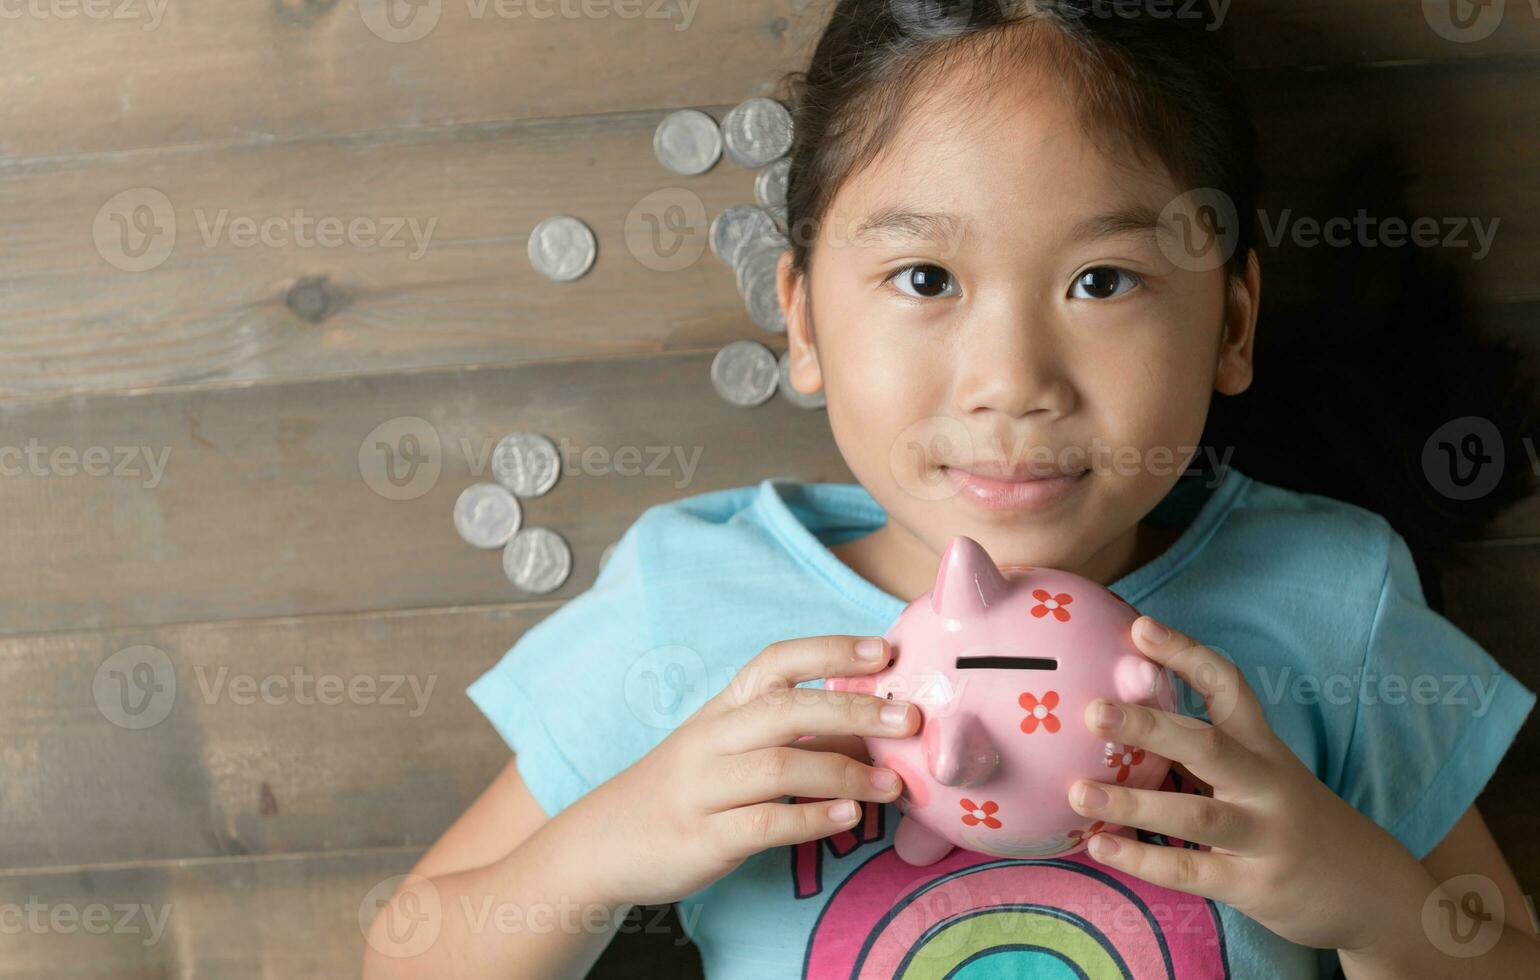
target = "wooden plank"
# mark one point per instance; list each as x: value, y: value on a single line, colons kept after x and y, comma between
x: 435, y: 271
x: 287, y: 69
x: 228, y: 71
x: 252, y: 919
x: 231, y: 311
x: 257, y: 503
x: 1458, y: 126
x: 249, y: 737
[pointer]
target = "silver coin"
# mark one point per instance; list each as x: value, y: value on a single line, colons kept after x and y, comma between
x: 537, y: 560
x: 757, y: 132
x: 743, y: 228
x: 759, y: 260
x: 744, y: 373
x: 562, y: 248
x: 688, y: 142
x: 757, y: 283
x: 526, y: 463
x: 487, y: 515
x: 797, y: 398
x: 770, y: 185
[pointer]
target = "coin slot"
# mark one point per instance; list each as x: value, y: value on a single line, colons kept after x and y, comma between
x: 1007, y: 663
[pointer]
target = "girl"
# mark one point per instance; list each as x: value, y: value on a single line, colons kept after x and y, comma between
x: 1022, y: 263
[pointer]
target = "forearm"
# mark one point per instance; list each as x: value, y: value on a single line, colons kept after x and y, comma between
x: 1452, y: 944
x: 540, y: 911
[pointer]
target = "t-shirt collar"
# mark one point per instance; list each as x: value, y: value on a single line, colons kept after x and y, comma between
x: 806, y: 515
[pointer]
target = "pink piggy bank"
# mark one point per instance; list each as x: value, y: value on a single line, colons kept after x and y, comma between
x: 1001, y: 671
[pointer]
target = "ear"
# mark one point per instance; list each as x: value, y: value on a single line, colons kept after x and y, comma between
x: 806, y: 376
x: 1237, y: 339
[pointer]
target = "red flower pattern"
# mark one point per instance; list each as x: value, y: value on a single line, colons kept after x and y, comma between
x: 1123, y: 759
x: 1055, y: 604
x: 1039, y: 712
x: 981, y: 813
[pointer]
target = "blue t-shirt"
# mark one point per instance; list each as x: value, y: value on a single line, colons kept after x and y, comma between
x: 1318, y: 601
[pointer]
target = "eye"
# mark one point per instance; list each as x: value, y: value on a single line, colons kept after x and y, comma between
x: 1105, y: 282
x: 926, y: 281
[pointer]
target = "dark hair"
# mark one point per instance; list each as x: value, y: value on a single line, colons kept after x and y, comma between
x: 1346, y: 396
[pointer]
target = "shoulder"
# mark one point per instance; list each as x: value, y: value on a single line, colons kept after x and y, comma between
x: 1321, y: 545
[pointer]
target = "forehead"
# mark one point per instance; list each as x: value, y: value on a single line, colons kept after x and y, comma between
x: 1017, y: 151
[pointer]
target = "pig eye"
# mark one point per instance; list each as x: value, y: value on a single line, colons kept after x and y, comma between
x: 1007, y: 663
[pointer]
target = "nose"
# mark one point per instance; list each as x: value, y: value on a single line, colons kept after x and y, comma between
x: 958, y: 750
x: 1009, y: 361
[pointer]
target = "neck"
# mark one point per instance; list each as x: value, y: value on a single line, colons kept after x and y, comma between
x: 902, y: 565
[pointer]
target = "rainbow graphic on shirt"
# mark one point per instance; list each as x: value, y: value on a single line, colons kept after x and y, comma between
x: 970, y: 916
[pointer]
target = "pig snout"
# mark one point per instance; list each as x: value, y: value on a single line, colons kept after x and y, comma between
x: 958, y: 750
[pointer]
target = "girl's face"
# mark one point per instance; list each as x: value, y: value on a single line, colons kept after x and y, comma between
x: 1006, y: 349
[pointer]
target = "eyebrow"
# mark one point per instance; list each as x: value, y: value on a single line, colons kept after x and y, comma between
x: 901, y: 223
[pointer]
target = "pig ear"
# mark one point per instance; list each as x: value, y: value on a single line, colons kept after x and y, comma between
x: 1140, y: 680
x: 967, y: 581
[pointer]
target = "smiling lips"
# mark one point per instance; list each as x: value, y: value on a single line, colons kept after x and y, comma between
x: 1019, y: 487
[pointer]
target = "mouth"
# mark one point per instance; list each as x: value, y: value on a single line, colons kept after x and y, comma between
x: 1015, y: 488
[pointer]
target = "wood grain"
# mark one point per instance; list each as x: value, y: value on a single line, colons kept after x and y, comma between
x: 294, y: 916
x: 434, y: 272
x: 253, y: 737
x: 460, y: 290
x: 262, y: 507
x: 227, y: 71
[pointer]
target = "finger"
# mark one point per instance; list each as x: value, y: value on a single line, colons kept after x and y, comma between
x: 778, y: 717
x: 1204, y: 873
x: 787, y: 663
x: 1195, y: 818
x: 747, y: 830
x: 1231, y: 703
x: 1206, y: 750
x: 769, y: 773
x: 853, y: 746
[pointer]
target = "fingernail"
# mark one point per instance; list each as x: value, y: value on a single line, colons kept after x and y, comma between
x: 1109, y: 715
x: 894, y: 715
x: 843, y: 811
x: 870, y: 648
x: 1151, y: 631
x: 884, y: 779
x: 1103, y: 845
x: 1092, y: 797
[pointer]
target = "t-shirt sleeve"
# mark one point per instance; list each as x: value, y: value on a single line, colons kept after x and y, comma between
x: 1435, y: 715
x: 556, y: 696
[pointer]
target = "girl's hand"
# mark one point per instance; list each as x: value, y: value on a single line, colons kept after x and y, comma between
x: 711, y: 793
x: 1284, y: 849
